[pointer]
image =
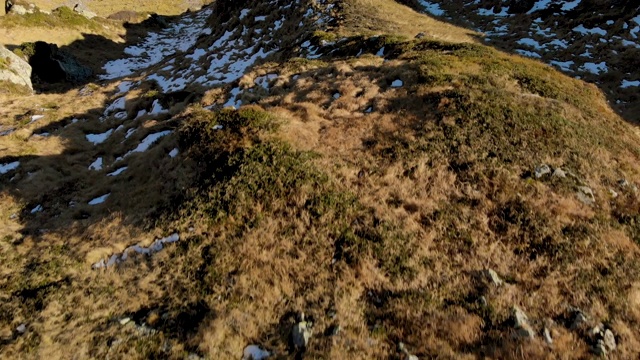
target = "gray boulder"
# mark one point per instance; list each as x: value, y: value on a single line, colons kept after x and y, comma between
x: 14, y: 69
x: 17, y: 9
x: 52, y: 65
x: 82, y: 10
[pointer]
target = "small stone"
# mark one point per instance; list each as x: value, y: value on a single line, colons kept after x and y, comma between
x: 613, y: 193
x: 420, y: 35
x: 579, y: 320
x: 541, y: 171
x: 623, y: 183
x: 301, y: 333
x: 547, y: 336
x: 597, y: 330
x: 559, y: 173
x: 125, y: 321
x: 493, y: 277
x: 523, y: 329
x: 585, y: 194
x: 600, y: 349
x: 483, y: 301
x: 609, y: 340
x: 22, y: 328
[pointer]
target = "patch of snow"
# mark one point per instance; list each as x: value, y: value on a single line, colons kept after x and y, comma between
x: 529, y: 42
x: 528, y: 53
x: 96, y: 165
x: 397, y: 83
x: 37, y: 209
x: 36, y: 117
x: 380, y: 52
x: 595, y: 68
x: 563, y: 65
x: 124, y: 86
x: 173, y: 153
x: 336, y: 95
x: 99, y: 199
x: 119, y: 104
x: 627, y: 84
x: 156, y: 108
x: 117, y: 172
x: 570, y: 5
x: 146, y: 143
x: 432, y: 8
x: 584, y: 31
x: 96, y: 139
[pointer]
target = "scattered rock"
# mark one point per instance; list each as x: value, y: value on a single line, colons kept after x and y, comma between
x: 483, y: 301
x: 18, y: 10
x: 600, y: 349
x: 579, y: 320
x: 521, y: 324
x: 80, y: 9
x: 623, y: 183
x: 559, y: 173
x: 14, y: 69
x: 541, y: 171
x: 585, y: 195
x: 124, y: 321
x: 609, y: 340
x: 302, y: 333
x: 421, y: 35
x: 193, y: 356
x: 53, y: 65
x: 254, y: 352
x: 22, y: 328
x: 613, y: 193
x: 492, y: 276
x: 403, y: 349
x: 546, y: 333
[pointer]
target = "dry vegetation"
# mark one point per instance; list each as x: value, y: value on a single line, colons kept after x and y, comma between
x: 376, y: 210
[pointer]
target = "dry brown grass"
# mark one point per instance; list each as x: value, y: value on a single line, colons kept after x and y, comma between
x: 380, y: 222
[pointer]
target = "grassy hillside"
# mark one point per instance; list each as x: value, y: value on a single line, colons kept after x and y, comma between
x: 394, y: 189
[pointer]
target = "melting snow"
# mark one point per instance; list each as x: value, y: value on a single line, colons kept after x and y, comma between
x: 528, y: 53
x: 99, y: 138
x: 37, y: 209
x: 627, y: 84
x: 99, y: 199
x: 595, y: 68
x: 565, y: 66
x: 96, y: 165
x: 397, y: 83
x: 432, y: 8
x: 147, y: 142
x: 117, y: 172
x: 5, y: 168
x: 173, y: 153
x: 584, y: 31
x: 36, y: 117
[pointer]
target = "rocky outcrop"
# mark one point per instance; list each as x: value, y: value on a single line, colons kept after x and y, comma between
x: 53, y: 65
x: 14, y: 69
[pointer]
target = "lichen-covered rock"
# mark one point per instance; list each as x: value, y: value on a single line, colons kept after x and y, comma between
x: 14, y: 69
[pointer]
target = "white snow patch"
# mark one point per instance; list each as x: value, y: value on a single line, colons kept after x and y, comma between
x: 397, y: 83
x: 528, y: 53
x: 96, y: 165
x: 595, y: 68
x: 432, y: 8
x: 627, y: 84
x: 173, y: 153
x: 117, y: 172
x: 584, y: 31
x: 99, y: 199
x: 380, y: 52
x: 36, y: 117
x: 37, y: 209
x: 5, y: 168
x: 529, y: 42
x: 147, y: 142
x: 96, y: 139
x: 563, y: 65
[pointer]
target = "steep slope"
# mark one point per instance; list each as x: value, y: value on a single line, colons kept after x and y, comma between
x: 593, y: 40
x: 428, y: 196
